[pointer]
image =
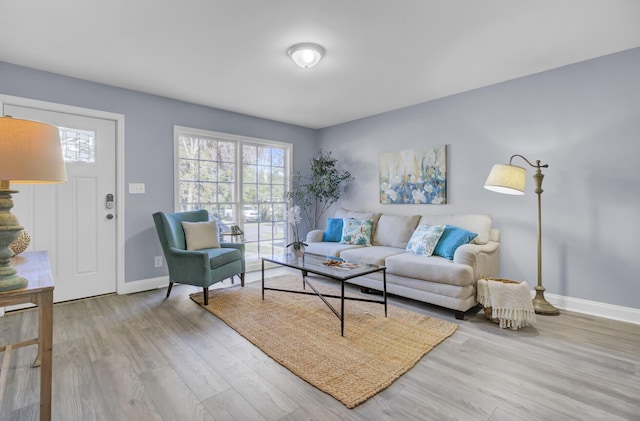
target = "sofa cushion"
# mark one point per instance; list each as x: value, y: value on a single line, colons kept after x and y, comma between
x: 480, y: 224
x: 372, y: 255
x: 356, y: 231
x: 424, y: 239
x: 451, y: 239
x: 329, y: 249
x: 432, y: 268
x: 333, y: 232
x: 346, y: 213
x: 395, y: 230
x: 201, y: 235
x: 440, y: 288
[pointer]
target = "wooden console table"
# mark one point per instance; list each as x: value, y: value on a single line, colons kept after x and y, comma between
x: 34, y: 266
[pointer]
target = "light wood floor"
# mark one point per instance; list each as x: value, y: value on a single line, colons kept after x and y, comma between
x: 140, y: 357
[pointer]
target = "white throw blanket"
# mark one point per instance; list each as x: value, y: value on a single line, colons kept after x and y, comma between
x: 510, y: 303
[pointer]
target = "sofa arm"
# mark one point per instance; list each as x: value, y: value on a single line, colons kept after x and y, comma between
x: 483, y: 258
x: 466, y: 254
x: 315, y: 236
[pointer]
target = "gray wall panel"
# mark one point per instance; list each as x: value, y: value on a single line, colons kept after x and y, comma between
x: 583, y: 120
x: 149, y: 122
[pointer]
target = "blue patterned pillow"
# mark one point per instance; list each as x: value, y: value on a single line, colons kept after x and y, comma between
x: 451, y: 239
x: 424, y: 239
x: 356, y: 231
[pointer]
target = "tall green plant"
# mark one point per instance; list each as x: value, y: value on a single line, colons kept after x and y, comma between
x: 317, y: 192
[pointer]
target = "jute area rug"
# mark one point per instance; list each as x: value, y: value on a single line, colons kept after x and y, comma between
x: 301, y: 333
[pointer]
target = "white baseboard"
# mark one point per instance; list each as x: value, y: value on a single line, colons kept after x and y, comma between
x: 594, y: 308
x: 126, y: 288
x: 143, y: 285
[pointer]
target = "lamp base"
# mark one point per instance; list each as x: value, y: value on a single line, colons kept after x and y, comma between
x: 12, y: 282
x: 541, y: 305
x: 9, y: 230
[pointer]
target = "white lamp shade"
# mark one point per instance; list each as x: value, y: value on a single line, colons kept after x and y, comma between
x: 306, y: 54
x: 30, y: 152
x: 507, y: 179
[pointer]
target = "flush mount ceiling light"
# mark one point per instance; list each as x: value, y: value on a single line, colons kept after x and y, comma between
x: 306, y: 54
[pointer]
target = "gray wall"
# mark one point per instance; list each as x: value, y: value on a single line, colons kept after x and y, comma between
x: 583, y: 120
x: 149, y: 122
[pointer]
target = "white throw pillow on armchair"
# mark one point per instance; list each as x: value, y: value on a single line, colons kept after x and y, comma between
x: 201, y: 235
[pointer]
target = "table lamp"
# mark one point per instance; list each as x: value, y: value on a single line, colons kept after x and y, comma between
x: 510, y: 179
x: 30, y: 153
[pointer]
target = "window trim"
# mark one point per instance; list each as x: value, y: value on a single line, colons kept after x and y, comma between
x: 240, y: 142
x: 183, y: 130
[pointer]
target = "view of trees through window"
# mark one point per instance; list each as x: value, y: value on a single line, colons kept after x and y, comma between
x: 207, y: 175
x: 239, y: 181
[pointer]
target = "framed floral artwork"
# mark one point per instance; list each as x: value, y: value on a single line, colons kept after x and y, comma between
x: 414, y: 176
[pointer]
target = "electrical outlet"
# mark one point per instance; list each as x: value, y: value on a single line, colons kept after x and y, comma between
x: 158, y: 262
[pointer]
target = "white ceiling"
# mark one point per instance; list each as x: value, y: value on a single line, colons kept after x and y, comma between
x: 381, y: 54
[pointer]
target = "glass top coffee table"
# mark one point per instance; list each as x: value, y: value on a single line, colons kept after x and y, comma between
x: 333, y: 268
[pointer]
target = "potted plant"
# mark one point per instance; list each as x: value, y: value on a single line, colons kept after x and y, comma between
x: 324, y: 187
x: 293, y: 217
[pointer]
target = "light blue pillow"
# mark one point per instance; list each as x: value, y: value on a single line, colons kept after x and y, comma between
x: 333, y: 233
x: 220, y: 226
x: 356, y: 231
x: 451, y: 239
x: 424, y: 239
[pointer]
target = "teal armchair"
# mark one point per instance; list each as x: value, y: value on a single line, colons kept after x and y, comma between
x: 201, y: 268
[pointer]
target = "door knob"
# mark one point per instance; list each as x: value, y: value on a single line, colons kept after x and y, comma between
x: 109, y: 216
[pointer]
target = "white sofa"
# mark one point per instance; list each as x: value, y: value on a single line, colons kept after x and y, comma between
x: 433, y: 279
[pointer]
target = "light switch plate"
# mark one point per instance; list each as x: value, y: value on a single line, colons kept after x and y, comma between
x: 136, y: 188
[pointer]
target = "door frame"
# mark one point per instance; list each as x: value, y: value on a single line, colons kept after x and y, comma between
x: 120, y: 185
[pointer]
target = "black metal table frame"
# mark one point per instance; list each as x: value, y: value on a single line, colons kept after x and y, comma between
x: 324, y: 297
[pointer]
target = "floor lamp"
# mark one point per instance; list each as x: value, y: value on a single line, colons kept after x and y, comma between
x: 510, y: 179
x: 30, y: 153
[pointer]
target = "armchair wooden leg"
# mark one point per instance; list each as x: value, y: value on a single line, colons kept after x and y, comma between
x: 242, y: 279
x: 206, y: 295
x: 169, y: 289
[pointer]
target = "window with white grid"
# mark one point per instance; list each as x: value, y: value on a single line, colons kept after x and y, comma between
x: 239, y: 180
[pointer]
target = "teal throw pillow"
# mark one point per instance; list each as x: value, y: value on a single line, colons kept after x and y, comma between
x: 356, y: 231
x: 451, y: 239
x: 333, y: 233
x: 424, y: 239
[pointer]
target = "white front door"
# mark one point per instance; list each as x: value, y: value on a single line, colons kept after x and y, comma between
x: 73, y: 221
